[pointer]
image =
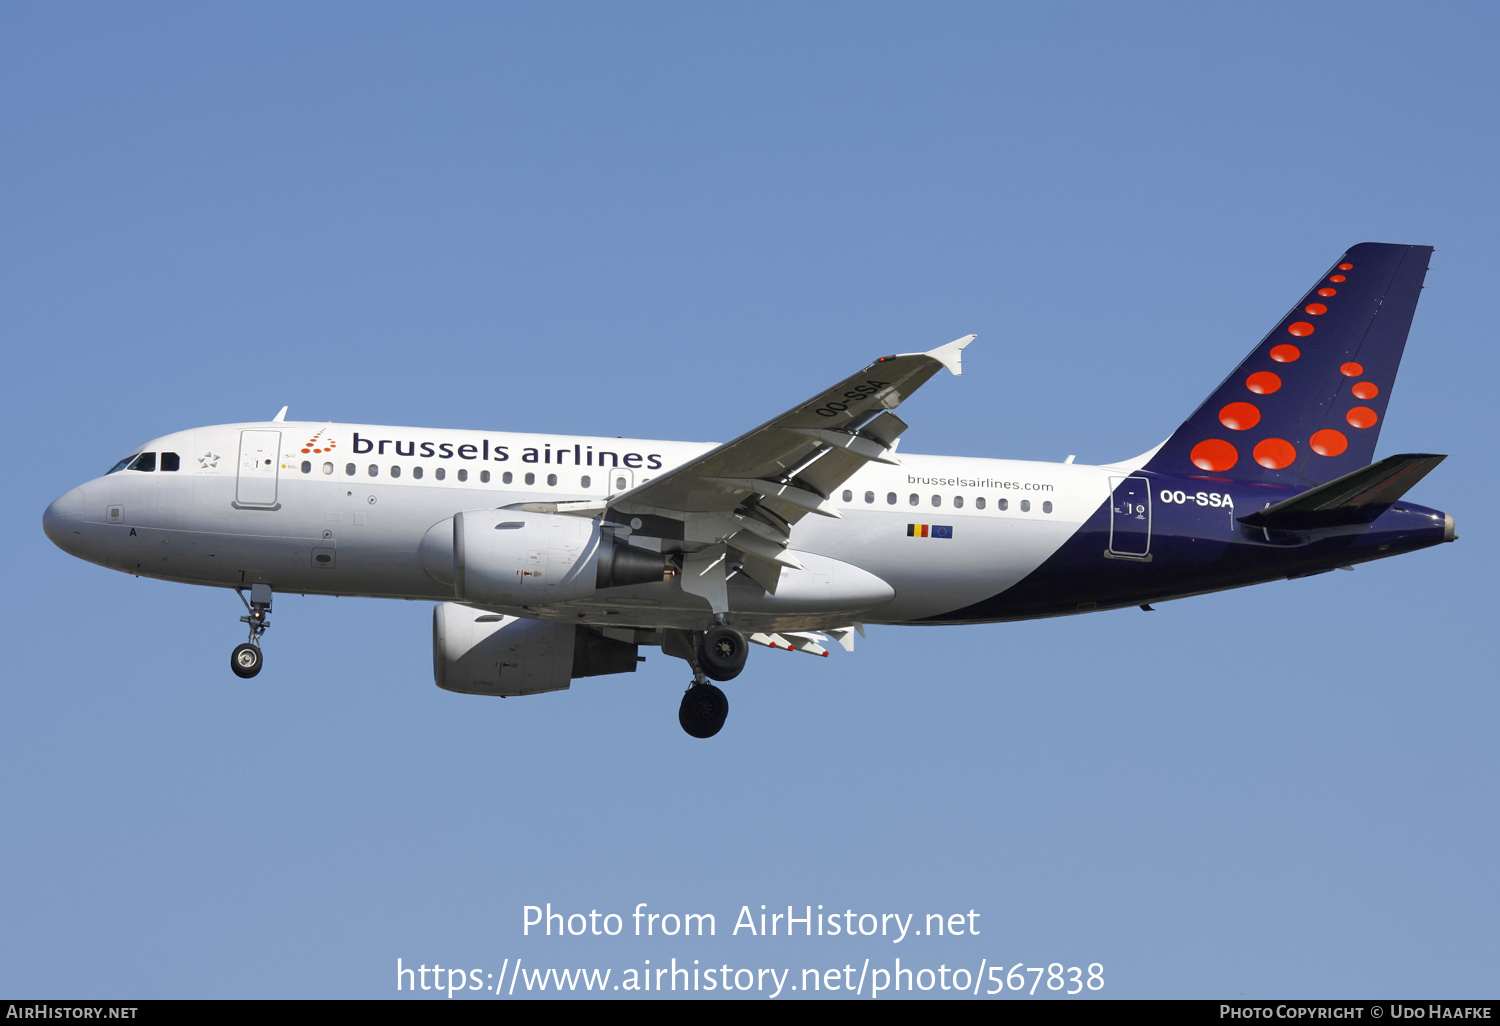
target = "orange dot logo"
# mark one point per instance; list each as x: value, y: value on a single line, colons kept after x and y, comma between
x: 1328, y: 442
x: 1300, y: 328
x: 1214, y: 454
x: 1275, y: 453
x: 1263, y: 382
x: 1365, y: 390
x: 1316, y: 309
x: 312, y: 444
x: 1285, y: 354
x: 1239, y: 416
x: 1352, y: 370
x: 1337, y: 277
x: 1325, y: 293
x: 1346, y: 267
x: 1361, y: 417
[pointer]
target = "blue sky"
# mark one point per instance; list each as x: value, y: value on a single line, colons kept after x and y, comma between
x: 674, y: 221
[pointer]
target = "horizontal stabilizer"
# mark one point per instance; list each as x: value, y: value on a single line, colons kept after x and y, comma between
x: 1356, y: 498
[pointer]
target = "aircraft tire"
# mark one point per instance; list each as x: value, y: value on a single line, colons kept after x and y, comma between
x: 703, y: 711
x: 246, y: 661
x: 722, y: 653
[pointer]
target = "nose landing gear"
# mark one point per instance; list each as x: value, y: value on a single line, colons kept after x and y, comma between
x: 246, y: 660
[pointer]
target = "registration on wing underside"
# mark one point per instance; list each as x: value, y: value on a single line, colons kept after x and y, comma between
x: 795, y: 461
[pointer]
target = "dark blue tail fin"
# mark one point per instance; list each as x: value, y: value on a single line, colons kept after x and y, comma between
x: 1307, y: 404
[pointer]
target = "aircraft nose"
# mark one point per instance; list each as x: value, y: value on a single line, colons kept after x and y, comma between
x: 63, y: 518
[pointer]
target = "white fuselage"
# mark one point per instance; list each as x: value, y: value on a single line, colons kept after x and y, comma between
x: 343, y: 510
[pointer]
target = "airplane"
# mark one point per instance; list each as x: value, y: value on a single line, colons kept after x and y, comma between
x: 556, y: 557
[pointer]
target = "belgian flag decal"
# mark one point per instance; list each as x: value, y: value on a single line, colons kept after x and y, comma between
x: 929, y: 531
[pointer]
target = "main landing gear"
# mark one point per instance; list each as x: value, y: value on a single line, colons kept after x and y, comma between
x: 246, y: 660
x: 718, y: 653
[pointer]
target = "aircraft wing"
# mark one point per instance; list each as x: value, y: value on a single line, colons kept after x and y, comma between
x: 751, y: 491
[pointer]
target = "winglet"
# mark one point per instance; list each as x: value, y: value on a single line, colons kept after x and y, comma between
x: 279, y: 417
x: 952, y: 354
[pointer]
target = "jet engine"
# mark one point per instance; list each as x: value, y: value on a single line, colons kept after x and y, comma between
x: 479, y: 653
x: 513, y: 558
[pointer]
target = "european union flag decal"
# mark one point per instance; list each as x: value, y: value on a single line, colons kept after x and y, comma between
x: 942, y: 532
x: 928, y: 531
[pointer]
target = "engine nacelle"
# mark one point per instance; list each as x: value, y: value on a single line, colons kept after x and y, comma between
x: 479, y: 653
x: 513, y: 558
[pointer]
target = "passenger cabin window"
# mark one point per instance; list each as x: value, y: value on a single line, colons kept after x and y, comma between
x: 1047, y: 507
x: 915, y: 498
x: 170, y: 462
x: 484, y: 477
x: 439, y: 473
x: 416, y: 472
x: 584, y: 481
x: 1002, y: 504
x: 374, y: 470
x: 145, y: 462
x: 552, y: 480
x: 349, y: 469
x: 848, y: 495
x: 958, y: 502
x: 395, y: 471
x: 307, y: 466
x: 328, y: 468
x: 463, y: 475
x: 890, y: 498
x: 979, y: 502
x: 1025, y: 505
x: 869, y: 496
x: 531, y: 479
x: 507, y: 477
x: 937, y: 500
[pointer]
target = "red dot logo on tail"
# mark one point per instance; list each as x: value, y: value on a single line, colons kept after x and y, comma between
x: 1214, y: 454
x: 1328, y: 442
x: 1263, y: 382
x: 1275, y: 453
x: 1239, y: 416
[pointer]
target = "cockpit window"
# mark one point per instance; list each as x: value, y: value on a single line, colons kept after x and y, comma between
x: 145, y: 462
x: 170, y: 461
x: 121, y: 465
